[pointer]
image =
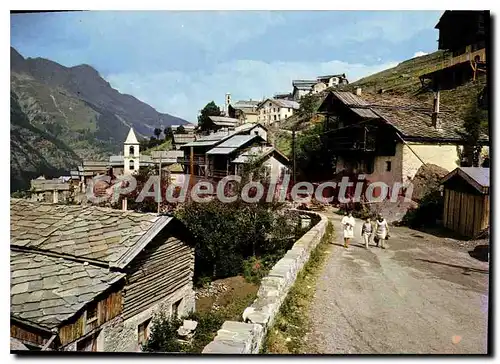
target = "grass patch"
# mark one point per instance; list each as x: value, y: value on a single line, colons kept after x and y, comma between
x: 292, y: 322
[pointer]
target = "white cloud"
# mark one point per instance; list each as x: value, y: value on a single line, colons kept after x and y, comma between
x: 184, y: 94
x: 419, y: 54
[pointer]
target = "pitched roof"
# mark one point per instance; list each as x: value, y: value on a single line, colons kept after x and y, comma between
x: 232, y: 144
x: 223, y: 119
x: 47, y: 290
x: 131, y: 138
x: 217, y: 137
x: 184, y: 138
x: 281, y: 103
x: 254, y: 152
x: 477, y: 177
x: 413, y: 120
x: 103, y: 235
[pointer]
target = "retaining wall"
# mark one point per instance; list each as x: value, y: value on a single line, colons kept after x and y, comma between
x: 247, y: 337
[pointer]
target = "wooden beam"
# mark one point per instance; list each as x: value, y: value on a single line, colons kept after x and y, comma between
x: 47, y: 344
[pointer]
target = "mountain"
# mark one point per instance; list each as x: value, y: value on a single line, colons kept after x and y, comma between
x: 67, y: 114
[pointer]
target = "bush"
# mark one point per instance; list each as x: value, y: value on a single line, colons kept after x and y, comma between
x: 429, y: 210
x: 228, y: 233
x: 163, y: 336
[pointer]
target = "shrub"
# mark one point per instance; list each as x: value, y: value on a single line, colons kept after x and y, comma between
x: 429, y: 210
x: 163, y: 336
x: 228, y: 233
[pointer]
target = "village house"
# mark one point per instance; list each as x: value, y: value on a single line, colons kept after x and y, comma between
x: 333, y: 80
x: 302, y: 88
x: 283, y: 96
x: 92, y: 279
x: 273, y: 111
x: 275, y: 164
x: 244, y: 110
x: 388, y: 138
x: 54, y: 190
x: 188, y: 128
x: 222, y: 123
x: 467, y: 200
x: 213, y: 155
x: 179, y: 140
x: 462, y: 37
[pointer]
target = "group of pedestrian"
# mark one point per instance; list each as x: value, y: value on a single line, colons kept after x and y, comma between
x: 379, y: 231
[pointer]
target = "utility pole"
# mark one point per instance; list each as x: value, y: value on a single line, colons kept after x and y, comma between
x: 294, y: 153
x: 159, y: 172
x: 191, y: 166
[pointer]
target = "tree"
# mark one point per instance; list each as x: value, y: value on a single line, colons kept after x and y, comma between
x: 308, y: 105
x: 157, y: 133
x: 210, y: 109
x: 168, y: 133
x: 475, y: 124
x: 181, y: 130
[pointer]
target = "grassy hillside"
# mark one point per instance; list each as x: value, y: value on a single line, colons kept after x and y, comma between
x: 403, y: 80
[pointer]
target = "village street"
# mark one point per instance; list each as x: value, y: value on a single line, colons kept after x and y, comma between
x: 421, y: 295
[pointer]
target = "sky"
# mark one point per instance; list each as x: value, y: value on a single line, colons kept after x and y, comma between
x: 178, y: 61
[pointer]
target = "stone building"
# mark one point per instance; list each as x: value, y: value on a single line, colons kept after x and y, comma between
x: 91, y: 279
x: 275, y: 110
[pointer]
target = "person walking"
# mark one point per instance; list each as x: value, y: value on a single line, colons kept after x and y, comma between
x: 348, y: 223
x: 381, y: 231
x: 367, y: 232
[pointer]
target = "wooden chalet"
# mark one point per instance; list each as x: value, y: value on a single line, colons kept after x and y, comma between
x: 91, y: 279
x: 463, y: 37
x: 467, y: 200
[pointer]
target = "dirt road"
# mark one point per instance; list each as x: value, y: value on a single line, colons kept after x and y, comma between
x: 421, y: 295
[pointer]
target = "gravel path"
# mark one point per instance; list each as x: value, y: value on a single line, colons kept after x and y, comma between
x: 421, y: 295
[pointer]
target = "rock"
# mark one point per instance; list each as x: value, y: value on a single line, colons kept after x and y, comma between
x: 190, y: 324
x: 427, y: 180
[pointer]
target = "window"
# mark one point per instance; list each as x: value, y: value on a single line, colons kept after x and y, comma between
x: 388, y: 166
x: 270, y: 104
x: 175, y: 309
x: 88, y: 344
x: 131, y: 164
x: 131, y: 150
x: 279, y: 116
x: 285, y: 116
x: 289, y: 109
x: 143, y: 332
x: 274, y: 117
x: 92, y: 312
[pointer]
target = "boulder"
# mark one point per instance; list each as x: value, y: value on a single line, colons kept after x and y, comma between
x: 426, y: 180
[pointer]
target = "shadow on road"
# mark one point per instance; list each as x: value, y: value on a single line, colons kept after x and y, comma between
x: 466, y: 269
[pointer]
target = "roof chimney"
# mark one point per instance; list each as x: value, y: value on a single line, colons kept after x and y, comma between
x: 436, y: 123
x: 358, y: 91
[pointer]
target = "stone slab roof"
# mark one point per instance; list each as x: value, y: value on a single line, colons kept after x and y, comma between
x: 47, y: 290
x: 89, y: 232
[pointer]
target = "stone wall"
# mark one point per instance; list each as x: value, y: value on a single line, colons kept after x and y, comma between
x: 247, y: 337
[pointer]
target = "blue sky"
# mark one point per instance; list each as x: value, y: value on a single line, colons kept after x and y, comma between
x: 178, y: 61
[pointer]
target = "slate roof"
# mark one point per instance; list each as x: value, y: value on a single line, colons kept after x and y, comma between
x: 90, y: 232
x: 48, y: 290
x: 232, y: 144
x: 412, y: 119
x: 17, y: 345
x: 254, y: 152
x: 223, y: 119
x: 61, y: 255
x: 184, y: 138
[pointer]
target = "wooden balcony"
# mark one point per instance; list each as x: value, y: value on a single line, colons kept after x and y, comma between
x: 449, y: 61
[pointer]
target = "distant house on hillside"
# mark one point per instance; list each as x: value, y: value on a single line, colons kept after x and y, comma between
x: 273, y: 110
x: 463, y: 36
x: 92, y: 279
x: 306, y: 87
x: 244, y: 110
x: 388, y: 138
x: 188, y: 128
x: 302, y: 88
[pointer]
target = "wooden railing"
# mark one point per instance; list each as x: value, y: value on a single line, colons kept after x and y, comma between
x: 468, y: 56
